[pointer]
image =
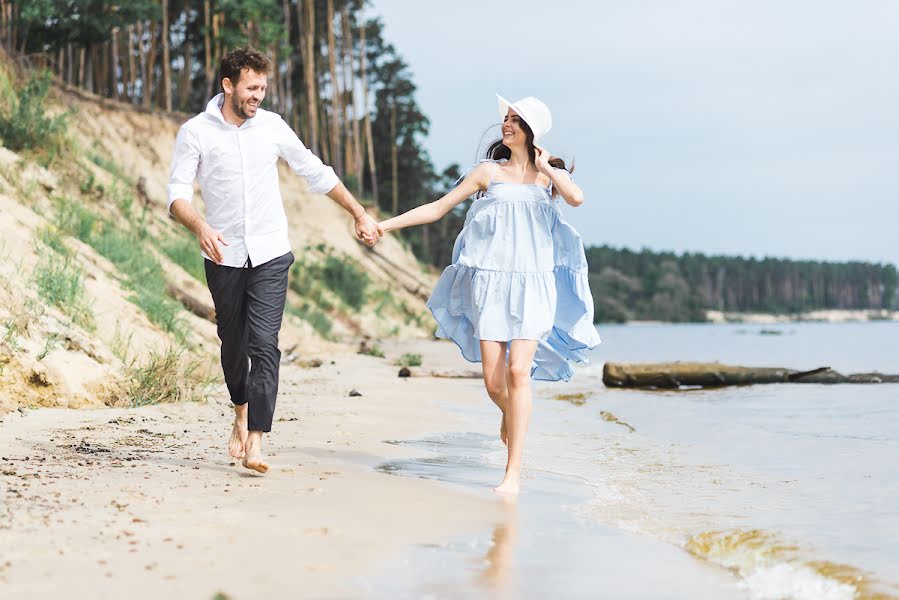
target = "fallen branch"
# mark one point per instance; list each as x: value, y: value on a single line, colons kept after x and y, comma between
x: 690, y: 374
x: 440, y: 373
x: 191, y: 303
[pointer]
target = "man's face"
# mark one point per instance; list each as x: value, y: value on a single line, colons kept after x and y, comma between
x: 247, y: 94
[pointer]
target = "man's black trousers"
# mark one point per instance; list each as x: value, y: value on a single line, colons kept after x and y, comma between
x: 249, y: 307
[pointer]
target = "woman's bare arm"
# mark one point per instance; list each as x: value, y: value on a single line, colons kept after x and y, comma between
x: 477, y: 180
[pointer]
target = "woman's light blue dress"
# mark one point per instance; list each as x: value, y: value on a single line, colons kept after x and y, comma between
x: 519, y: 272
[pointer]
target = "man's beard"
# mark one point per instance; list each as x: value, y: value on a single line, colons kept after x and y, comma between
x: 239, y: 109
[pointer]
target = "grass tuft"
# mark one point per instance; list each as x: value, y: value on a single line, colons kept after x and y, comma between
x: 165, y: 377
x: 409, y: 360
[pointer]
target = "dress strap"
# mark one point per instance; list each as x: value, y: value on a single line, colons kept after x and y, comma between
x: 474, y: 166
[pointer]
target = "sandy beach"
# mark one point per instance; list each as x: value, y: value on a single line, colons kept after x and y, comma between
x: 146, y: 502
x: 143, y: 503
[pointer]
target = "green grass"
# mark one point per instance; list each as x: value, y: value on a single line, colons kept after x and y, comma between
x: 59, y: 279
x: 108, y: 165
x: 169, y: 376
x: 144, y: 276
x: 373, y: 350
x: 346, y: 279
x: 25, y: 123
x: 319, y: 321
x: 409, y: 360
x: 325, y: 271
x: 127, y: 249
x: 305, y: 281
x: 74, y: 219
x: 184, y: 250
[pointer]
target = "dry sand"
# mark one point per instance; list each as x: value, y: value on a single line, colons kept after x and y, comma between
x: 146, y: 503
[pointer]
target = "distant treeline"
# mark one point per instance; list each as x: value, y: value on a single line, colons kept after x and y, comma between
x: 665, y: 286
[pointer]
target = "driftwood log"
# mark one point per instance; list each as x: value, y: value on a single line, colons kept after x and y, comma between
x: 191, y: 302
x: 678, y: 374
x: 440, y: 373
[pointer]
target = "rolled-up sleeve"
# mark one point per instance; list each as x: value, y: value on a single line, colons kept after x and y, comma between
x: 321, y: 177
x: 185, y: 161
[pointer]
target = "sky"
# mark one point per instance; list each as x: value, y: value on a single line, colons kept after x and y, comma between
x: 753, y: 128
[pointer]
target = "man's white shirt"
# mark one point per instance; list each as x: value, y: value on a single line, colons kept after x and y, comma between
x: 238, y: 175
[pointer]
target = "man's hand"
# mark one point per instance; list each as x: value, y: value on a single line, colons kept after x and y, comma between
x: 209, y: 238
x: 367, y: 229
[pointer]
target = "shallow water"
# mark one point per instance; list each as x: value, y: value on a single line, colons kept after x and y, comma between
x: 791, y: 488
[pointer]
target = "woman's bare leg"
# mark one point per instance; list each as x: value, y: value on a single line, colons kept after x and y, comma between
x: 518, y: 413
x: 493, y: 361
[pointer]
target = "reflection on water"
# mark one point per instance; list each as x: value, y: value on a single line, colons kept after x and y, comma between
x: 498, y: 572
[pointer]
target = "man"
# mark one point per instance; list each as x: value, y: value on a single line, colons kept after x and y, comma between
x: 233, y: 148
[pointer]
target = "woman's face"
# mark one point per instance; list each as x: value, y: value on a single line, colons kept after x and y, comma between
x: 513, y: 134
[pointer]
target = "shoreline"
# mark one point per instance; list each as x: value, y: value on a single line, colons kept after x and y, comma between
x: 716, y: 317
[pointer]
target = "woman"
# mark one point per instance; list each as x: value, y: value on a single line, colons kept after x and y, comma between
x: 516, y: 297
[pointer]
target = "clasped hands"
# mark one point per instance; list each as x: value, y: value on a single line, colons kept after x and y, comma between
x: 368, y: 230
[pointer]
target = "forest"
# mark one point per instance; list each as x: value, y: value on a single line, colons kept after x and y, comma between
x: 664, y: 286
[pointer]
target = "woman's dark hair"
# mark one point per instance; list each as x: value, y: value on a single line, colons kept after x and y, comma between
x: 497, y: 150
x: 246, y: 57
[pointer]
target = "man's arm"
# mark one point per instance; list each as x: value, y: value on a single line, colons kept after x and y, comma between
x: 185, y: 161
x: 365, y: 226
x: 208, y: 237
x: 323, y: 180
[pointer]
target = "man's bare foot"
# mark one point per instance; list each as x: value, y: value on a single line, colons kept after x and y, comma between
x: 503, y: 434
x: 253, y: 458
x: 238, y: 442
x: 510, y: 485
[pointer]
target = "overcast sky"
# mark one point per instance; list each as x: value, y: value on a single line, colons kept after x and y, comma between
x: 765, y: 128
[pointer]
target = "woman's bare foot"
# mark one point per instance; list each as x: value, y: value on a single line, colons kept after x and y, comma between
x: 253, y: 459
x: 238, y: 442
x: 511, y: 483
x: 503, y: 434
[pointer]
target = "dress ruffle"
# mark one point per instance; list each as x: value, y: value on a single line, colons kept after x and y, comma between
x: 519, y: 272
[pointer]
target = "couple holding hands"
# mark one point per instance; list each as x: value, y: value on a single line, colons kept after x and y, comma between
x: 515, y: 297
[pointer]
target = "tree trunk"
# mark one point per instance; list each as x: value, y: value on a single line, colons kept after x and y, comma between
x: 274, y: 92
x: 166, y: 58
x: 70, y: 63
x: 287, y: 84
x: 394, y: 167
x: 309, y: 66
x: 324, y: 138
x: 336, y: 158
x: 184, y: 87
x: 369, y: 144
x: 142, y: 55
x: 88, y: 81
x: 151, y: 68
x: 351, y: 130
x: 114, y: 71
x: 132, y: 71
x: 207, y: 48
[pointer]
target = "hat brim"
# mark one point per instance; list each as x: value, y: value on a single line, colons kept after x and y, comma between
x: 505, y: 105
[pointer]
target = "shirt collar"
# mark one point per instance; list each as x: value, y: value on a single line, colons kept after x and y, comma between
x: 214, y: 110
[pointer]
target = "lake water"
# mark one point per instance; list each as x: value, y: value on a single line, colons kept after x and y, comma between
x: 791, y: 489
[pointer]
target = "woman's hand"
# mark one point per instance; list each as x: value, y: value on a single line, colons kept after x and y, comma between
x: 541, y: 160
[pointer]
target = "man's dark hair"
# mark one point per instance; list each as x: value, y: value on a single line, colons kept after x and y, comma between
x: 247, y: 57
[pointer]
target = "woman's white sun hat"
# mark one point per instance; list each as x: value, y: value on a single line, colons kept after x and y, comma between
x: 533, y: 111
